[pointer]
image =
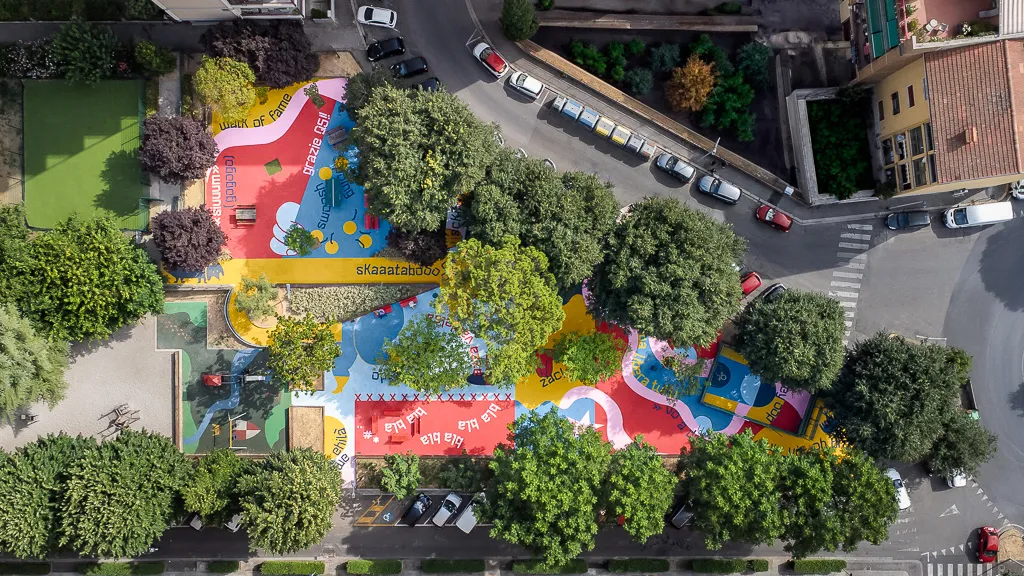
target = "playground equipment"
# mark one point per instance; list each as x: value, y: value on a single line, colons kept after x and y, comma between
x: 215, y: 380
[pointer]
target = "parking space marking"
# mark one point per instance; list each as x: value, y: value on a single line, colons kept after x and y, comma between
x: 374, y: 510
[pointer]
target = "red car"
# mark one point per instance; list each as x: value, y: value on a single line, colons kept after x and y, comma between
x: 988, y: 544
x: 772, y: 217
x: 749, y: 282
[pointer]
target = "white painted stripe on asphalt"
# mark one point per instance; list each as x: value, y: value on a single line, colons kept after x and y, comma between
x: 853, y: 236
x: 854, y: 255
x: 846, y: 304
x: 959, y: 570
x: 836, y: 284
x: 931, y: 570
x: 849, y: 313
x: 949, y: 570
x: 854, y: 265
x: 938, y: 570
x: 970, y: 570
x: 859, y: 226
x: 853, y: 275
x: 842, y: 295
x: 854, y: 245
x: 848, y: 323
x: 847, y: 334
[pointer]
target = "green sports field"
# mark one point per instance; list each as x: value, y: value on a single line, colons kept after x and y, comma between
x: 80, y: 152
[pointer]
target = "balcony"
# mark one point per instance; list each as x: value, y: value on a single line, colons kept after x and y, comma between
x: 941, y: 20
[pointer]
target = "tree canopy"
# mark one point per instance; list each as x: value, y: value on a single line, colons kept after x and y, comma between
x: 289, y: 501
x: 640, y: 489
x: 212, y: 491
x: 176, y: 148
x: 188, y: 239
x: 418, y: 152
x: 31, y: 367
x: 566, y: 216
x: 278, y: 52
x: 401, y: 474
x: 426, y: 357
x: 85, y: 51
x: 796, y: 339
x: 892, y: 397
x: 506, y: 296
x: 689, y: 86
x: 547, y: 486
x: 361, y: 86
x: 519, y: 20
x: 301, y: 350
x: 962, y: 447
x: 226, y: 86
x: 590, y: 358
x: 668, y: 273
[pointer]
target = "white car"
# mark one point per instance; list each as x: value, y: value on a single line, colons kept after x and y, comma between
x: 376, y: 16
x: 526, y: 84
x: 491, y: 60
x: 957, y: 479
x: 902, y: 496
x: 451, y: 503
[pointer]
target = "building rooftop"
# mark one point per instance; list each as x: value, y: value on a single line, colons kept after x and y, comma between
x: 944, y: 19
x: 975, y: 97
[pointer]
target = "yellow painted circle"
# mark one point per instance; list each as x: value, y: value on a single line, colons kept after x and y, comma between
x: 365, y: 241
x: 326, y: 173
x: 349, y: 227
x: 331, y: 247
x: 318, y: 234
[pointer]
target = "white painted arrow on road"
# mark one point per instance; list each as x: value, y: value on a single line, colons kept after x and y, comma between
x: 950, y: 512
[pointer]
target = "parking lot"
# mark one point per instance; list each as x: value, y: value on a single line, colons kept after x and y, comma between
x: 386, y: 510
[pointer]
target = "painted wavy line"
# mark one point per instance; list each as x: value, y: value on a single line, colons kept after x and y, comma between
x: 616, y: 433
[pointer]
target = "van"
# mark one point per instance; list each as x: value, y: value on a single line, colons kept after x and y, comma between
x: 467, y: 520
x: 979, y: 215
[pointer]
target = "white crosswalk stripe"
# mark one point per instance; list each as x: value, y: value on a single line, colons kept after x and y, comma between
x: 961, y: 569
x: 859, y: 226
x: 853, y: 244
x: 852, y: 255
x: 853, y: 275
x: 856, y: 236
x: 836, y: 284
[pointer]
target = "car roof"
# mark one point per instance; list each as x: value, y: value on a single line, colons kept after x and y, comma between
x: 530, y: 83
x: 494, y: 60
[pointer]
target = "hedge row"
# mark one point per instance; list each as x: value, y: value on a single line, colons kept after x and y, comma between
x: 121, y: 568
x: 289, y: 567
x: 757, y: 565
x: 25, y: 568
x: 646, y: 565
x: 439, y: 566
x: 374, y: 566
x: 577, y: 566
x: 818, y: 566
x: 729, y: 565
x: 223, y: 566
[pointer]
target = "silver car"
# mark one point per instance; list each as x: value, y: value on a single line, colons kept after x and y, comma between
x: 719, y: 189
x: 675, y: 167
x: 451, y: 503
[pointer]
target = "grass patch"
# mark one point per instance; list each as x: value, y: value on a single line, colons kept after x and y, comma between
x: 152, y: 97
x: 818, y: 566
x: 291, y: 567
x: 646, y: 565
x: 842, y: 160
x: 223, y: 566
x: 440, y: 566
x: 25, y: 568
x: 577, y: 566
x: 373, y: 566
x: 348, y: 302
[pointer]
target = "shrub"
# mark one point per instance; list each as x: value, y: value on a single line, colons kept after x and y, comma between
x: 401, y: 474
x: 373, y: 566
x: 28, y: 60
x: 148, y: 568
x: 462, y: 474
x: 616, y: 54
x: 291, y: 567
x: 719, y: 565
x: 313, y: 93
x: 842, y: 160
x: 423, y: 248
x: 347, y: 302
x: 647, y: 565
x: 176, y: 148
x: 279, y: 53
x: 188, y: 239
x: 153, y: 60
x: 818, y: 566
x: 754, y: 60
x: 545, y: 4
x: 590, y: 358
x: 729, y: 8
x: 255, y: 296
x: 588, y: 57
x: 25, y: 568
x: 639, y: 81
x: 105, y: 569
x: 576, y: 566
x: 223, y: 566
x: 441, y: 566
x: 690, y: 86
x: 519, y: 20
x: 617, y: 73
x: 757, y: 565
x: 300, y: 240
x: 85, y: 51
x: 317, y: 13
x: 664, y: 57
x: 636, y: 47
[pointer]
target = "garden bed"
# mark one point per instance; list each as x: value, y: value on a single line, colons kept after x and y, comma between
x: 431, y: 470
x: 763, y: 150
x: 839, y: 142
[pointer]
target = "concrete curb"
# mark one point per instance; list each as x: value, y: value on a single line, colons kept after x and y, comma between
x: 573, y: 19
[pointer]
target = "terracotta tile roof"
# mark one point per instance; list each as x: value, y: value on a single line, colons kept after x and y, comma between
x: 977, y: 89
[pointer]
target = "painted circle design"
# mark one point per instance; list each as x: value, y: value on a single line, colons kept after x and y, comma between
x: 326, y: 173
x: 349, y: 227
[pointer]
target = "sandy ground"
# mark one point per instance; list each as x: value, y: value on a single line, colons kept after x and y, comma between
x: 10, y: 142
x: 335, y: 64
x: 306, y: 427
x: 124, y: 369
x: 1011, y: 547
x: 217, y: 331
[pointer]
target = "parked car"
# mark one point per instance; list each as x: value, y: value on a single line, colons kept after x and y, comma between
x: 749, y: 282
x: 988, y: 544
x: 416, y: 511
x: 409, y: 68
x: 235, y: 523
x: 675, y: 167
x: 719, y: 189
x: 196, y: 522
x: 526, y: 84
x: 451, y: 503
x: 431, y: 84
x: 771, y: 216
x: 681, y: 517
x: 467, y: 519
x: 905, y: 220
x: 372, y: 16
x: 902, y: 496
x: 491, y: 60
x: 385, y: 49
x: 957, y: 479
x: 773, y: 292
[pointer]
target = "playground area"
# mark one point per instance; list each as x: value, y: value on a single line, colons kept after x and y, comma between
x: 80, y: 147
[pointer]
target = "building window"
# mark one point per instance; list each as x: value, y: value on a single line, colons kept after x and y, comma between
x: 910, y: 96
x: 881, y: 111
x: 904, y: 171
x: 901, y: 147
x: 916, y: 141
x: 895, y: 103
x: 928, y: 137
x: 924, y: 86
x: 931, y: 168
x: 888, y: 156
x: 920, y: 172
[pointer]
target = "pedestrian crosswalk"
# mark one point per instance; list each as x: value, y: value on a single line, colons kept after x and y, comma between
x: 963, y: 569
x: 854, y: 241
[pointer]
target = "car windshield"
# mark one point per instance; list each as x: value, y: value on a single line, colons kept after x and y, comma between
x: 770, y: 214
x: 521, y: 81
x: 902, y: 219
x: 990, y: 553
x: 671, y: 163
x: 898, y: 484
x: 960, y: 216
x: 716, y: 186
x: 369, y: 14
x: 449, y: 505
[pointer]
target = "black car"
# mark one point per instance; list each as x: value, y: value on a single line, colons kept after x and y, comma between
x: 431, y: 84
x: 416, y: 511
x: 773, y: 292
x: 409, y: 68
x: 905, y: 220
x: 385, y: 49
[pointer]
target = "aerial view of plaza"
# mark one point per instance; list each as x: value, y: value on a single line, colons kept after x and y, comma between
x: 575, y: 286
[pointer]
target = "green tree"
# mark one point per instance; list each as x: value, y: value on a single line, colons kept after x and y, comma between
x: 567, y: 216
x: 519, y: 20
x: 255, y: 297
x: 289, y: 501
x: 733, y: 486
x: 426, y: 357
x: 13, y: 253
x: 401, y: 474
x: 728, y: 106
x: 640, y: 489
x: 590, y: 358
x: 506, y: 296
x: 636, y: 47
x: 226, y: 86
x: 664, y: 57
x: 754, y: 60
x: 120, y: 498
x: 547, y: 486
x: 963, y: 446
x: 154, y: 60
x: 72, y: 294
x: 640, y: 81
x: 893, y: 397
x: 300, y: 351
x: 84, y: 51
x: 669, y: 273
x: 361, y: 86
x: 31, y: 483
x: 212, y: 490
x: 31, y: 367
x: 300, y: 240
x: 419, y: 152
x: 796, y: 339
